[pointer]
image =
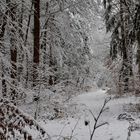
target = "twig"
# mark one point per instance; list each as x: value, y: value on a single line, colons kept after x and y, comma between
x: 74, y: 129
x: 97, y: 118
x: 61, y: 132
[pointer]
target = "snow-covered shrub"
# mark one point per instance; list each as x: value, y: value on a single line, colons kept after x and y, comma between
x: 15, y: 124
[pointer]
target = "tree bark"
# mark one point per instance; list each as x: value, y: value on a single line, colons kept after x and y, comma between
x: 36, y: 40
x: 13, y: 48
x: 20, y: 50
x: 125, y: 63
x: 137, y: 28
x: 2, y: 33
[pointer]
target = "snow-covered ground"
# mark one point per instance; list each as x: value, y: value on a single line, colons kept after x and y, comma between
x: 93, y: 100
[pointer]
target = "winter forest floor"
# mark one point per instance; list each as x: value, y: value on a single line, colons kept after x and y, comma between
x: 74, y: 128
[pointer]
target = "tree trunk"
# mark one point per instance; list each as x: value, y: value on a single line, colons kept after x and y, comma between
x: 51, y: 66
x: 36, y: 40
x: 13, y: 48
x: 25, y: 43
x: 20, y: 54
x: 137, y: 28
x: 28, y: 24
x: 44, y: 42
x: 2, y: 33
x: 124, y: 69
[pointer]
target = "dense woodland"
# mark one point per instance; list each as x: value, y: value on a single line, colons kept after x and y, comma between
x: 53, y: 50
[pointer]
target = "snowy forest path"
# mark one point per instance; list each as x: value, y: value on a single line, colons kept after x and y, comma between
x: 93, y: 101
